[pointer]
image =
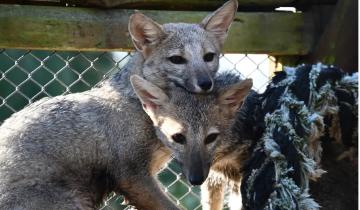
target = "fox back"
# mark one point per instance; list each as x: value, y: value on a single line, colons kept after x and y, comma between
x: 69, y: 151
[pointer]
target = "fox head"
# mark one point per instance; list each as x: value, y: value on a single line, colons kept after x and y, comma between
x: 191, y: 125
x: 185, y: 55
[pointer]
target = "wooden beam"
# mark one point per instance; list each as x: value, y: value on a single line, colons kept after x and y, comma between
x: 61, y: 28
x: 173, y: 4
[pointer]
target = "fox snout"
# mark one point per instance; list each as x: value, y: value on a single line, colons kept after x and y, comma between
x: 196, y: 177
x: 203, y: 82
x: 197, y: 86
x: 196, y: 170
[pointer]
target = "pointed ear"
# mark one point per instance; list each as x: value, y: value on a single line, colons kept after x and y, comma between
x: 151, y: 96
x: 231, y: 98
x: 219, y: 21
x: 144, y: 31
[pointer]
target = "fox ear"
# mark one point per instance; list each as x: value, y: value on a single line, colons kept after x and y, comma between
x: 231, y: 98
x: 219, y: 21
x: 144, y: 31
x: 150, y: 95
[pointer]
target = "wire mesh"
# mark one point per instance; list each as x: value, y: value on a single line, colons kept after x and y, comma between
x: 27, y: 76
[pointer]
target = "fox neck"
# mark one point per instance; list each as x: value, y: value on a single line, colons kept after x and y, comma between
x: 121, y: 79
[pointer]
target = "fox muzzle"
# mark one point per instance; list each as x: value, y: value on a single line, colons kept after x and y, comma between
x: 197, y: 171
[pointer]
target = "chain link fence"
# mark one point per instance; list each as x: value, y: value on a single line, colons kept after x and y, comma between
x: 27, y: 76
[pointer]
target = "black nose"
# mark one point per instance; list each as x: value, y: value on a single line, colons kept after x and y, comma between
x: 196, y: 180
x: 205, y: 84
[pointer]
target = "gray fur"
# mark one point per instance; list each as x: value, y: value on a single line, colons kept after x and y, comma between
x: 69, y: 151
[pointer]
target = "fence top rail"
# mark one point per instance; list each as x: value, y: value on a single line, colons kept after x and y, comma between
x: 87, y: 29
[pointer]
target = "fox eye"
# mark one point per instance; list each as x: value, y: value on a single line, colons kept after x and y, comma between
x: 176, y: 59
x: 179, y: 138
x: 208, y: 57
x: 211, y: 138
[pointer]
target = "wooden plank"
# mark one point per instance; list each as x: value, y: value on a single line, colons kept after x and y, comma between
x: 60, y: 28
x: 173, y: 4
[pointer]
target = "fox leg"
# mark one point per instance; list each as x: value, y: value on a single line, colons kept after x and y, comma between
x: 212, y: 192
x: 235, y: 200
x: 145, y: 194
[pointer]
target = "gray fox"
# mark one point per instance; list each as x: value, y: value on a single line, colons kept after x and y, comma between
x: 178, y: 54
x: 68, y: 152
